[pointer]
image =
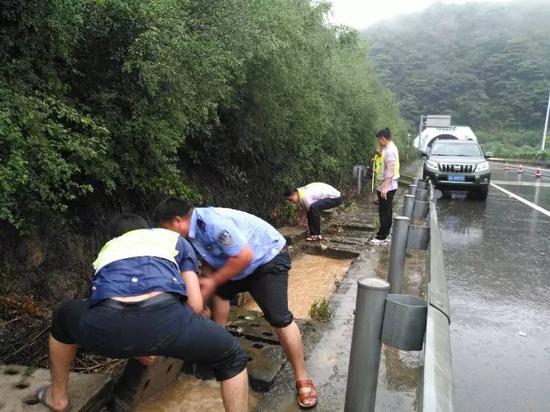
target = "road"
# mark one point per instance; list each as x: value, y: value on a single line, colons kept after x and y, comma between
x: 497, y: 256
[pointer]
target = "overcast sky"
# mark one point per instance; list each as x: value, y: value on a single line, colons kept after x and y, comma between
x: 362, y: 13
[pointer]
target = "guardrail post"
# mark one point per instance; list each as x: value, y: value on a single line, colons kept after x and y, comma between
x: 366, y: 345
x: 358, y: 172
x: 412, y: 190
x: 408, y: 206
x: 397, y: 253
x: 422, y: 194
x: 422, y: 184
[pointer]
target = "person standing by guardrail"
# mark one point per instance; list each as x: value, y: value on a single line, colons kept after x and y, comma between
x: 376, y: 167
x: 387, y: 177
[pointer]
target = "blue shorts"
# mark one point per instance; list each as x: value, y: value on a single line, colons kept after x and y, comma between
x: 164, y: 326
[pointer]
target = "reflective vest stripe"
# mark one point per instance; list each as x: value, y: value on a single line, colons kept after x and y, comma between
x: 301, y: 194
x: 159, y: 243
x: 378, y: 167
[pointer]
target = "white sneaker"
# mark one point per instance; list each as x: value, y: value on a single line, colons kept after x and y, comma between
x: 379, y: 242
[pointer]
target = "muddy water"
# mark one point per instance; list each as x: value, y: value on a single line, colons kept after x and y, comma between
x: 311, y: 278
x: 189, y: 394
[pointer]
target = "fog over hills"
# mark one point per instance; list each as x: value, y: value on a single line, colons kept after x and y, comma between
x: 488, y: 65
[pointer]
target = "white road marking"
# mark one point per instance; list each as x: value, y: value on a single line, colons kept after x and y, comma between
x: 536, y: 183
x: 522, y: 200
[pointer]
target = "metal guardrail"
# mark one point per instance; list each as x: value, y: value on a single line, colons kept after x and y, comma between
x: 403, y: 321
x: 436, y: 391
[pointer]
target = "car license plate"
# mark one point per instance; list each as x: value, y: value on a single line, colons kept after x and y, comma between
x: 456, y: 178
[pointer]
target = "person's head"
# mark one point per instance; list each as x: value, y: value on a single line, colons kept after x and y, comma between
x: 291, y: 195
x: 384, y: 137
x: 174, y: 214
x: 126, y: 222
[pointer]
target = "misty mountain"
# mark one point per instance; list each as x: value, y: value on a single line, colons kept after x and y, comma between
x: 488, y: 65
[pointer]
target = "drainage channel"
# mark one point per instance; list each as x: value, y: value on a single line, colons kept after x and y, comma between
x: 321, y: 272
x: 313, y: 278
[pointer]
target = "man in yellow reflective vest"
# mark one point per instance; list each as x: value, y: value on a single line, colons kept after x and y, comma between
x: 387, y: 177
x: 376, y: 168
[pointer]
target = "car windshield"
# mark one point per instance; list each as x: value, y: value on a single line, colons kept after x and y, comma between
x: 456, y: 149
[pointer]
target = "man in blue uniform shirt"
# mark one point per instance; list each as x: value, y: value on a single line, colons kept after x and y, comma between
x: 241, y: 252
x: 145, y: 295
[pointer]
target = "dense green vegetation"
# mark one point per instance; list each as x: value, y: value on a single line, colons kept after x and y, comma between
x: 119, y: 103
x: 488, y: 65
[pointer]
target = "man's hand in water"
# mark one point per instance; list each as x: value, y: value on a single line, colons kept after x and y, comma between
x: 208, y: 287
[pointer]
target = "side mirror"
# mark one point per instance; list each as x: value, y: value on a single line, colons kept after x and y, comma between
x: 488, y: 155
x: 423, y: 156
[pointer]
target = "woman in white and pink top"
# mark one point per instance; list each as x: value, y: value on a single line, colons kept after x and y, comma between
x: 387, y: 178
x: 314, y: 197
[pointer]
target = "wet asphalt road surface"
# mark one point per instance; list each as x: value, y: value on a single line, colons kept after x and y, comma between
x: 497, y: 256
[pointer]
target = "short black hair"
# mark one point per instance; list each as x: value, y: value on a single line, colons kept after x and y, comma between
x: 169, y: 208
x: 289, y: 191
x: 126, y: 222
x: 385, y: 132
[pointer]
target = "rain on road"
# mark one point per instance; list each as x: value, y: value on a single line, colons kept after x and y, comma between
x: 497, y: 256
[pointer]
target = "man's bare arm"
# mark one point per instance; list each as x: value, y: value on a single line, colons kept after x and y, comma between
x: 194, y: 297
x: 234, y: 265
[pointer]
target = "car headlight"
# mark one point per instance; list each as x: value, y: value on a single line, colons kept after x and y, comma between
x: 483, y: 166
x: 430, y: 164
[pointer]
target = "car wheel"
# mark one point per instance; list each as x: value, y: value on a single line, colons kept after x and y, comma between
x: 445, y: 194
x: 482, y: 193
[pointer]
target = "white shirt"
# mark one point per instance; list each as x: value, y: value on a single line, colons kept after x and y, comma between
x: 390, y: 166
x: 316, y: 191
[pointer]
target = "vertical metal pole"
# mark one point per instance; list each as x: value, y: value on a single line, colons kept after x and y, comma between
x: 359, y: 176
x: 364, y: 361
x: 408, y: 206
x: 412, y: 189
x: 408, y: 146
x: 397, y: 253
x: 422, y: 184
x: 420, y: 143
x: 422, y: 194
x: 545, y: 125
x: 373, y: 175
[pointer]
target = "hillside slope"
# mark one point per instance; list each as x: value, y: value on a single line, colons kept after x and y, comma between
x: 486, y: 64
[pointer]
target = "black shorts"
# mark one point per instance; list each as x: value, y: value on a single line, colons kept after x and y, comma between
x: 166, y: 327
x: 268, y: 285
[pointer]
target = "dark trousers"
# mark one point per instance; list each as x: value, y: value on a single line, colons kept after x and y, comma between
x: 314, y: 213
x: 168, y: 328
x: 385, y: 211
x: 268, y: 285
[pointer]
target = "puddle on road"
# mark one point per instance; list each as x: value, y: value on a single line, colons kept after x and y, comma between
x: 189, y: 394
x: 311, y: 278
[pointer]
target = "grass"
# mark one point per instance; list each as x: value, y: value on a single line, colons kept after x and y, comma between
x: 320, y: 310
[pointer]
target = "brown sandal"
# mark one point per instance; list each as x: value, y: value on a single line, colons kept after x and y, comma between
x: 306, y: 396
